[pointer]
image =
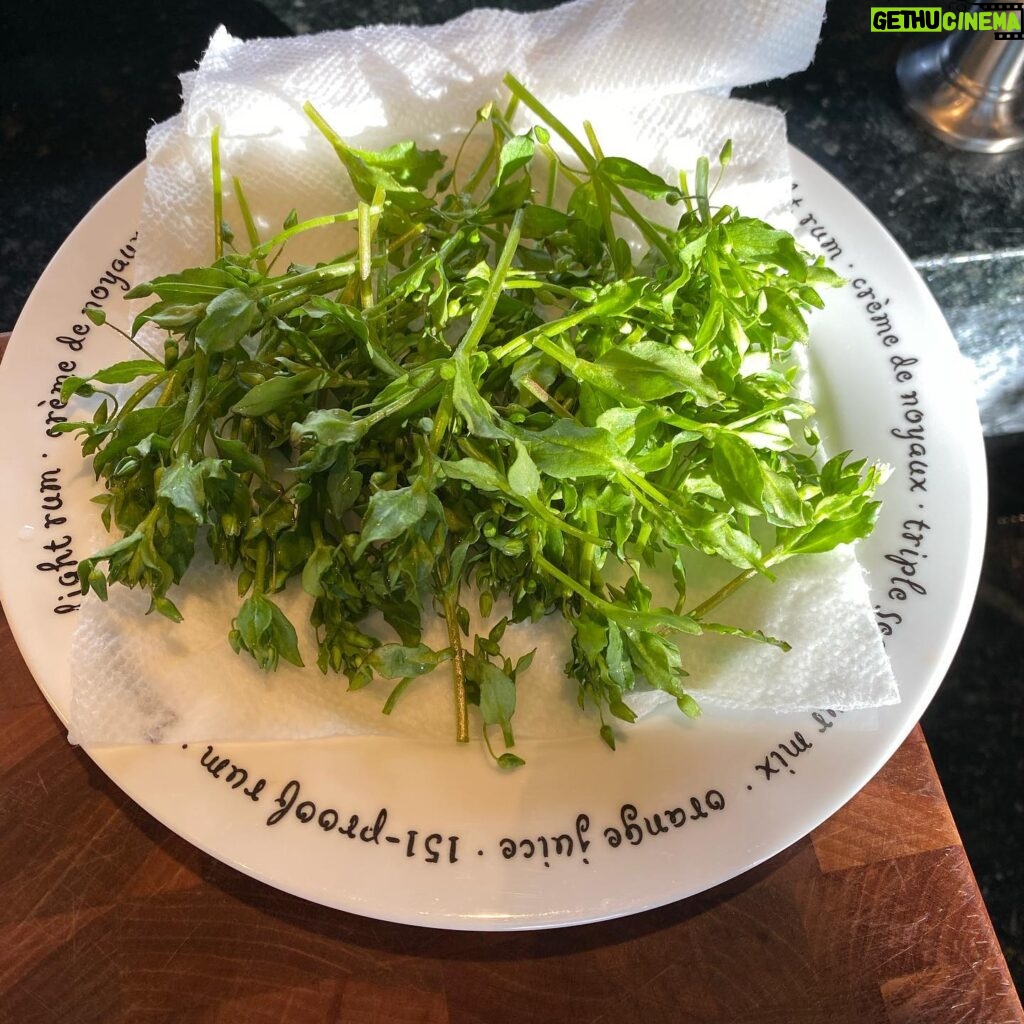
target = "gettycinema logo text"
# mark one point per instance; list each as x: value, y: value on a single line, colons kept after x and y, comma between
x: 1005, y: 20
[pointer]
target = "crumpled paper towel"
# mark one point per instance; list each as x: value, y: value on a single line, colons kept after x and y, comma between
x: 652, y: 78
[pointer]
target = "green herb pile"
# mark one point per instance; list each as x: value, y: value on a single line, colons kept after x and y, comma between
x: 490, y: 398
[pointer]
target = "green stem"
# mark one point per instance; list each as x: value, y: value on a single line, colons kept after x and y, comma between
x: 777, y: 556
x: 537, y: 390
x: 604, y: 205
x: 450, y: 603
x: 323, y: 279
x: 481, y: 169
x: 458, y: 155
x: 537, y: 337
x: 260, y: 583
x: 289, y: 282
x: 570, y: 173
x: 124, y: 334
x: 143, y: 390
x: 643, y: 538
x: 196, y: 396
x: 264, y: 248
x: 218, y: 196
x: 552, y: 180
x: 400, y: 403
x: 368, y: 221
x: 517, y: 283
x: 170, y: 391
x: 482, y: 316
x: 365, y: 257
x: 570, y: 584
x: 250, y: 224
x: 413, y: 232
x: 719, y: 595
x: 400, y: 688
x: 519, y: 90
x: 588, y: 569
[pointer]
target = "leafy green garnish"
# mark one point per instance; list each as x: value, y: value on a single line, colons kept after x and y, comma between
x: 490, y: 394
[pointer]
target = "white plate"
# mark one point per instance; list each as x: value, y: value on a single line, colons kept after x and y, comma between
x: 582, y: 834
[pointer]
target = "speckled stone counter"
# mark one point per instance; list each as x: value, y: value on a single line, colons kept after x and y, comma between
x: 81, y: 84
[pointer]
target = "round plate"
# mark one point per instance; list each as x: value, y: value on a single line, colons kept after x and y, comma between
x: 430, y: 833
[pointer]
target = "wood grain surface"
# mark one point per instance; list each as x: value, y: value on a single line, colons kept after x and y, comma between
x: 106, y: 916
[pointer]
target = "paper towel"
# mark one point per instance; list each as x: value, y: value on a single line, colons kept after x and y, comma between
x: 650, y: 76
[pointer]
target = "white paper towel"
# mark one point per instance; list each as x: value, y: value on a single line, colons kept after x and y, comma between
x: 650, y: 76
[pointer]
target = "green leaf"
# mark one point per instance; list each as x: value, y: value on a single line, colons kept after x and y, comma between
x: 265, y: 632
x: 319, y: 561
x: 329, y: 427
x: 784, y: 315
x: 390, y: 514
x: 622, y: 711
x: 228, y: 319
x: 621, y: 422
x: 780, y: 500
x: 701, y: 188
x: 620, y: 667
x: 96, y: 582
x: 284, y: 638
x: 74, y: 386
x: 394, y: 661
x: 523, y: 476
x: 757, y: 635
x: 121, y: 546
x: 129, y: 370
x: 479, y: 474
x: 688, y: 706
x: 497, y: 695
x: 738, y: 472
x: 636, y: 178
x: 404, y: 162
x: 129, y: 430
x: 830, y: 534
x: 509, y: 197
x: 195, y: 284
x: 278, y: 391
x: 657, y: 659
x: 182, y: 484
x: 241, y: 458
x: 568, y: 451
x: 480, y: 417
x: 166, y: 608
x: 403, y: 617
x: 541, y: 221
x: 401, y: 170
x: 516, y: 153
x: 649, y: 371
x: 172, y: 315
x: 757, y: 242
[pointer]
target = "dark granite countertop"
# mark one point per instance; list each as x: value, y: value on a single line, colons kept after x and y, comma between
x: 82, y: 83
